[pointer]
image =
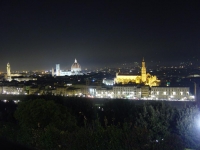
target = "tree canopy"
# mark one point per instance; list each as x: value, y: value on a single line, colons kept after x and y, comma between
x: 74, y: 123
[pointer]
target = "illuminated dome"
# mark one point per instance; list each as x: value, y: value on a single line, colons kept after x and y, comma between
x: 75, y: 67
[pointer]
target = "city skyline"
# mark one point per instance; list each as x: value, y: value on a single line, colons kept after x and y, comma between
x: 124, y: 65
x: 36, y: 35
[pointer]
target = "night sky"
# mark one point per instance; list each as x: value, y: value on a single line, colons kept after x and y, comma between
x: 37, y: 34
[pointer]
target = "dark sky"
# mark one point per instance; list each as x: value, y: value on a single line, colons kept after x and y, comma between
x: 37, y: 34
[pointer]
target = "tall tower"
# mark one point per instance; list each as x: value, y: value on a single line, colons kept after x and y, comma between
x: 52, y: 72
x: 8, y: 72
x: 8, y: 69
x: 143, y: 71
x: 57, y: 69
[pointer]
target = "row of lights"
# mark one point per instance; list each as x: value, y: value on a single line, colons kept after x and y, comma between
x: 165, y: 93
x: 15, y: 101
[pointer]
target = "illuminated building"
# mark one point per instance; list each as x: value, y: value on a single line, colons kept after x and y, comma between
x: 143, y: 72
x: 58, y: 70
x: 117, y: 91
x: 171, y: 93
x: 75, y: 70
x: 144, y: 93
x: 102, y: 93
x: 14, y: 90
x: 108, y: 81
x: 8, y: 70
x: 22, y: 79
x: 144, y: 78
x: 9, y: 75
x: 130, y: 92
x: 70, y: 90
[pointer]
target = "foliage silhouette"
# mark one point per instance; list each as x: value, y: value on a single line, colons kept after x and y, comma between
x: 76, y: 123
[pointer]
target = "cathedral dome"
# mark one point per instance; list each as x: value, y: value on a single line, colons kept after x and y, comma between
x: 76, y: 67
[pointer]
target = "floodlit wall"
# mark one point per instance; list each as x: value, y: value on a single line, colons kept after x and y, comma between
x: 171, y: 93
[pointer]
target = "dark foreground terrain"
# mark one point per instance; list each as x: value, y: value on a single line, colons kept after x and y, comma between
x: 47, y: 122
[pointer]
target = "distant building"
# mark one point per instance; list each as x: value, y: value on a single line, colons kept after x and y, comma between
x: 9, y: 76
x: 108, y: 81
x: 18, y: 77
x: 130, y: 92
x: 171, y: 93
x: 143, y: 92
x: 75, y: 70
x: 144, y: 78
x: 70, y: 90
x: 14, y: 90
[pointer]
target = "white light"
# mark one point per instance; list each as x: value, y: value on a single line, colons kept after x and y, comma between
x: 192, y: 96
x: 16, y: 101
x: 197, y: 121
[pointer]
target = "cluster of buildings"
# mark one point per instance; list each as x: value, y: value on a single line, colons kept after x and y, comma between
x: 145, y: 92
x: 127, y: 86
x: 75, y: 70
x: 17, y: 76
x: 115, y: 92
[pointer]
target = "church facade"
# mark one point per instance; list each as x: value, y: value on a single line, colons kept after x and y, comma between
x: 144, y: 78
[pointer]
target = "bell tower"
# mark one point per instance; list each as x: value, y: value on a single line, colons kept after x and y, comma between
x: 8, y: 69
x: 143, y: 71
x: 8, y: 72
x: 57, y: 69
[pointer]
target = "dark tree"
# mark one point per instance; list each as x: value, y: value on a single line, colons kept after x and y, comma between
x: 43, y: 122
x: 156, y: 118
